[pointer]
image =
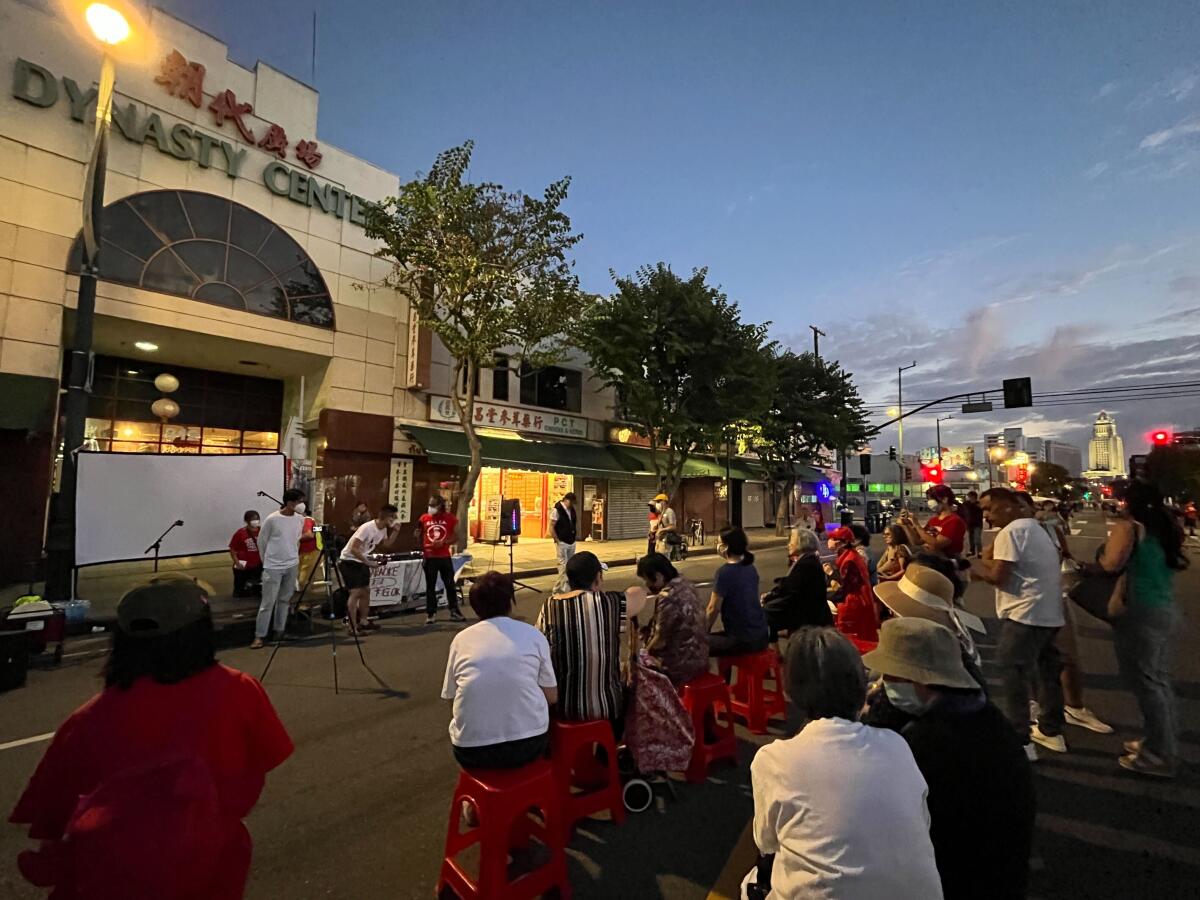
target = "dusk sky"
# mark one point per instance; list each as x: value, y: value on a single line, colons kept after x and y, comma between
x: 990, y: 189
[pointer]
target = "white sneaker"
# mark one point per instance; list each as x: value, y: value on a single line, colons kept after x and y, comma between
x: 1085, y: 718
x: 1057, y: 743
x: 1031, y: 753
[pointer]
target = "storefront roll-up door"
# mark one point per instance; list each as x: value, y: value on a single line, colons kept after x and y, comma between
x: 753, y: 504
x: 628, y: 514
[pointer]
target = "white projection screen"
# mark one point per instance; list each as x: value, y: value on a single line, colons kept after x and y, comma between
x: 126, y: 500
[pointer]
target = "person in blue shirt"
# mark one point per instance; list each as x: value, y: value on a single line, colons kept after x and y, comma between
x: 735, y: 599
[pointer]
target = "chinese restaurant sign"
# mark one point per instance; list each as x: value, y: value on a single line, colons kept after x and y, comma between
x: 491, y: 415
x: 39, y: 87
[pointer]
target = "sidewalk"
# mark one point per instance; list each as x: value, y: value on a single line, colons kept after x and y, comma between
x: 104, y: 585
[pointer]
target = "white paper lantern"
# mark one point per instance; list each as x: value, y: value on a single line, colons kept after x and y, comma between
x: 165, y: 408
x: 167, y: 383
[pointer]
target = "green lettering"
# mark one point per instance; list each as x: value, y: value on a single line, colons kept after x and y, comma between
x: 80, y: 102
x: 320, y: 193
x: 339, y: 196
x: 233, y: 159
x: 28, y: 77
x: 358, y: 212
x: 182, y: 138
x: 153, y: 128
x: 126, y: 119
x: 271, y: 178
x: 298, y: 189
x: 207, y: 142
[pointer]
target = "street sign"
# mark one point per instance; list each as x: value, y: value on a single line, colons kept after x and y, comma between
x: 983, y: 406
x: 1018, y: 392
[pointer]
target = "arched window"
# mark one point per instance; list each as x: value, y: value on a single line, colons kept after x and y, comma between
x: 211, y: 249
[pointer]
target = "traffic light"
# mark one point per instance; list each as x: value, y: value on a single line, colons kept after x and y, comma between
x: 864, y: 464
x: 1018, y: 392
x: 931, y: 474
x: 892, y: 453
x: 1160, y: 438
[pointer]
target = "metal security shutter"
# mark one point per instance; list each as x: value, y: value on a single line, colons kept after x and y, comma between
x: 627, y: 511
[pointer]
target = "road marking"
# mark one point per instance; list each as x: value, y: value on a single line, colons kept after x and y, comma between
x: 36, y: 739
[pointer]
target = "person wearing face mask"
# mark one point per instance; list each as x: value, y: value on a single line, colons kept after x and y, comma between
x: 279, y: 544
x: 243, y: 550
x: 436, y: 531
x: 981, y: 795
x: 946, y: 529
x: 856, y: 613
x: 667, y: 531
x: 310, y: 548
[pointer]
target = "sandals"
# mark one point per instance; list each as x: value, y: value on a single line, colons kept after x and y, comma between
x: 257, y: 644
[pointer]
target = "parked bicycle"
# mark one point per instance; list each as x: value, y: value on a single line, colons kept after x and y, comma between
x: 696, y: 532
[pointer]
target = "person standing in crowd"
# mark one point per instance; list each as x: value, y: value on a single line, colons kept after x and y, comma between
x: 668, y: 525
x: 1029, y: 604
x: 359, y: 516
x: 563, y: 529
x: 583, y: 628
x: 501, y: 680
x: 804, y: 519
x: 652, y: 534
x: 310, y: 544
x: 981, y: 796
x: 945, y: 530
x: 1147, y: 546
x: 735, y: 600
x: 675, y: 635
x: 862, y: 537
x: 841, y: 807
x: 172, y: 754
x: 856, y: 613
x: 972, y: 515
x: 243, y: 550
x: 355, y: 565
x: 800, y: 597
x: 896, y: 554
x: 1189, y: 518
x: 436, y: 530
x: 279, y: 545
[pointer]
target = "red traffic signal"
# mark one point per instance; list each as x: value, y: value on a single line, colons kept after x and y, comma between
x: 1160, y: 438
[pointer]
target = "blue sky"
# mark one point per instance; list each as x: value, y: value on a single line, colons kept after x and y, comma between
x: 993, y: 189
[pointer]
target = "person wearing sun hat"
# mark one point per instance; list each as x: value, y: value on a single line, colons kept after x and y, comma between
x: 927, y: 594
x: 981, y: 796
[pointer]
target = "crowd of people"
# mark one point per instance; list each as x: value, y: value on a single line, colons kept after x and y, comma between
x: 908, y: 778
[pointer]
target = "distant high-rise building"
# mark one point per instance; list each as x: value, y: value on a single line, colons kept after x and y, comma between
x: 1106, y: 450
x: 1011, y: 439
x: 1066, y: 455
x: 1036, y: 448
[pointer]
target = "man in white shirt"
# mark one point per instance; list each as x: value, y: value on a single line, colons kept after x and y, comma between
x: 356, y: 563
x: 279, y: 546
x: 1025, y: 568
x: 564, y: 530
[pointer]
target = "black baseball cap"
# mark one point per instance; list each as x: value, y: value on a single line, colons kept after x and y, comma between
x: 162, y: 606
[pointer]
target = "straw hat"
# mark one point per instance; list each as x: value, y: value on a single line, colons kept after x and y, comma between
x: 921, y: 593
x: 921, y: 651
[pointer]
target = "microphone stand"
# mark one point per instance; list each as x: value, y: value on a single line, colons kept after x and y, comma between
x: 269, y: 497
x: 158, y: 543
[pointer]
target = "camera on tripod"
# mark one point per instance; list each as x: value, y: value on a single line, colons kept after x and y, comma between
x: 327, y: 530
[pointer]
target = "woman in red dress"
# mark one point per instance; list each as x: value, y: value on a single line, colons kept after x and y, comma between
x: 856, y: 614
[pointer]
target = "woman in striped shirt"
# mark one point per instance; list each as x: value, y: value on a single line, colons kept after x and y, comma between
x: 583, y: 628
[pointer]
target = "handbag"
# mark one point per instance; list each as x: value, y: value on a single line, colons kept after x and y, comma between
x: 1105, y: 595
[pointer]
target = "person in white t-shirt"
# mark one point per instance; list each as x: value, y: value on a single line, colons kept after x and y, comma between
x: 356, y: 563
x: 279, y: 547
x: 1025, y: 568
x: 501, y: 679
x: 841, y: 806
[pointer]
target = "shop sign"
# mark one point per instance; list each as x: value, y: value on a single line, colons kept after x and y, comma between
x: 623, y: 434
x: 400, y: 488
x: 492, y: 415
x: 38, y: 87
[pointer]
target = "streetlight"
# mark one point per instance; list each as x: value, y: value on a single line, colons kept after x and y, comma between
x: 900, y: 422
x: 938, y: 423
x: 110, y: 27
x: 995, y: 455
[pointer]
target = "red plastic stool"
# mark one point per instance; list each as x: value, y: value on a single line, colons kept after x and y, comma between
x: 752, y: 699
x: 573, y: 754
x: 502, y: 799
x: 702, y: 696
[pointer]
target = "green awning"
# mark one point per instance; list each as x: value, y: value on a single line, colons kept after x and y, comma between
x: 638, y: 459
x: 451, y: 448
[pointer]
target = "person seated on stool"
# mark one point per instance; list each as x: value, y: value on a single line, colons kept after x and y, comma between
x: 736, y: 600
x: 501, y: 680
x: 243, y: 550
x: 798, y: 599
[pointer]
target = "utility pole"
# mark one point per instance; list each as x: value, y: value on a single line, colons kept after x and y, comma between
x: 900, y: 424
x: 817, y: 335
x: 941, y: 462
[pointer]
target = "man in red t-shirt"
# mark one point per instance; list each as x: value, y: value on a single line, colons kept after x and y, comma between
x: 247, y: 562
x: 945, y: 530
x: 436, y: 531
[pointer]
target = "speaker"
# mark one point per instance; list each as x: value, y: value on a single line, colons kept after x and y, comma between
x: 510, y: 518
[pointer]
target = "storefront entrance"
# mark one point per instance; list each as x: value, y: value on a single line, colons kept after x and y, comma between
x: 537, y: 492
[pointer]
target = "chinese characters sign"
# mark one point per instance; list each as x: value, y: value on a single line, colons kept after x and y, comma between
x: 491, y: 415
x: 400, y: 488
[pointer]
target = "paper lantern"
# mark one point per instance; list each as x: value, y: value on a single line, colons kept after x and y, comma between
x: 167, y: 383
x: 165, y: 408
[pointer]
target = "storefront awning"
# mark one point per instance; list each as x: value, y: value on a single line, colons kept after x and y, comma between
x: 451, y: 448
x: 638, y: 459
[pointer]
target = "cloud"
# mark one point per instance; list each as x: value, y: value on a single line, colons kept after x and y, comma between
x: 1181, y: 129
x: 1187, y: 285
x: 1094, y: 172
x: 1105, y: 90
x: 1175, y: 88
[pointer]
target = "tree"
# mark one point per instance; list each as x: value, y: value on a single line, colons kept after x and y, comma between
x: 814, y: 409
x: 486, y: 270
x: 1175, y: 470
x: 685, y: 367
x: 1048, y: 479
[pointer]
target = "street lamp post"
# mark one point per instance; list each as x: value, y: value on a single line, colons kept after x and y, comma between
x: 110, y: 28
x: 900, y: 423
x: 938, y: 422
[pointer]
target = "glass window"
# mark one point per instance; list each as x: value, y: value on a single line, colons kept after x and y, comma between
x: 165, y: 273
x: 221, y: 437
x: 147, y: 432
x: 163, y: 212
x: 500, y: 378
x: 552, y: 387
x: 220, y: 294
x: 133, y: 447
x: 181, y: 438
x: 210, y: 450
x: 260, y: 440
x: 206, y: 259
x: 209, y: 215
x: 97, y: 428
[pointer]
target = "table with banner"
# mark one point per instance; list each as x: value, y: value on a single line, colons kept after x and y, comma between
x: 400, y: 583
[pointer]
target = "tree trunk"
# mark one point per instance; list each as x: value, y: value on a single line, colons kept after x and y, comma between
x: 784, y: 507
x: 465, y: 401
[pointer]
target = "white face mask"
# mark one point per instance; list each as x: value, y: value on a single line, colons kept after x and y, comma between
x: 301, y: 507
x: 903, y: 696
x: 932, y: 504
x: 254, y: 523
x: 433, y: 510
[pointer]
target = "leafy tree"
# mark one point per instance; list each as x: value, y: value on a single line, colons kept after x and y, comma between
x: 486, y: 270
x: 1175, y: 470
x: 814, y: 409
x: 685, y: 367
x: 1049, y: 480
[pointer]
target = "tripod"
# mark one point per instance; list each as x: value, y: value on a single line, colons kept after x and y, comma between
x: 329, y: 564
x: 157, y: 545
x: 517, y: 585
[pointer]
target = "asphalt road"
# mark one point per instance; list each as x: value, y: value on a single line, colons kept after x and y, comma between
x: 360, y: 810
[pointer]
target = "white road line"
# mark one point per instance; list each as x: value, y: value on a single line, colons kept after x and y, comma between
x: 37, y: 738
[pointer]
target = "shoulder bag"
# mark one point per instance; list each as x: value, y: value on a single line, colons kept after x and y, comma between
x: 1105, y: 595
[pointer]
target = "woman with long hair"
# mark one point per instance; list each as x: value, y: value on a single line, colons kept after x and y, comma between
x: 1147, y: 546
x: 897, y: 554
x: 735, y: 600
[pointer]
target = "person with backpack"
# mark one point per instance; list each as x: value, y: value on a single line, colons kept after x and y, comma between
x: 143, y: 789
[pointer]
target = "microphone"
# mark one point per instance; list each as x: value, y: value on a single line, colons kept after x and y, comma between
x: 261, y: 494
x: 179, y: 521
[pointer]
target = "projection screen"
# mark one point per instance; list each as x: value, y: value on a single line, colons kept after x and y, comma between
x: 126, y: 500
